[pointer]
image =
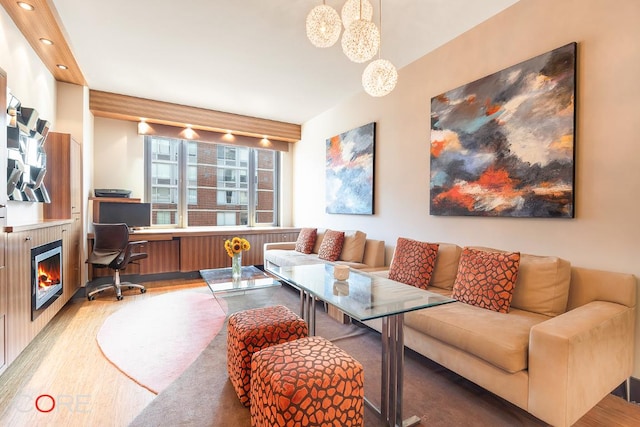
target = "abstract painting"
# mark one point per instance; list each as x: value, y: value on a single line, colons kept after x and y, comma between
x: 503, y: 145
x: 350, y: 171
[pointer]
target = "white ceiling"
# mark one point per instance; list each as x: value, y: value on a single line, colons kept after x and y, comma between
x: 249, y: 57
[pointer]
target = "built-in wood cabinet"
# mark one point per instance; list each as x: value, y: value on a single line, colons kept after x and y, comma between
x: 21, y: 330
x: 64, y: 181
x: 64, y: 176
x: 192, y: 250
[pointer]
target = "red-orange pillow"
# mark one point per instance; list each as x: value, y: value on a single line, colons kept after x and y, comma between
x: 306, y: 240
x: 413, y: 262
x: 486, y: 279
x: 331, y: 246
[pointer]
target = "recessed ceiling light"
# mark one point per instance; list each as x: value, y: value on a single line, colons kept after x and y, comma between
x: 62, y: 67
x: 25, y: 6
x: 46, y: 41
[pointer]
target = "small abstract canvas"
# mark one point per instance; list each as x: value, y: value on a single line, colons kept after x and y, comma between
x: 504, y: 145
x: 350, y: 171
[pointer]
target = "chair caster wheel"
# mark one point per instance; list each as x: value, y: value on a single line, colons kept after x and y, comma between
x: 119, y: 297
x: 142, y: 291
x: 91, y: 297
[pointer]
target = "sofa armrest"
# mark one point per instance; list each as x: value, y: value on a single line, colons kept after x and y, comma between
x: 577, y: 358
x: 280, y: 245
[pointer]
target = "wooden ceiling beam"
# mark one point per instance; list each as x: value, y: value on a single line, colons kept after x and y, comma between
x: 43, y: 22
x: 124, y: 107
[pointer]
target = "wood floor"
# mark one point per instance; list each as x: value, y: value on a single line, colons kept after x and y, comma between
x: 65, y: 362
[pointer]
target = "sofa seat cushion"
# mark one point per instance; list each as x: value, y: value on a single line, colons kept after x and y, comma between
x: 288, y: 258
x: 501, y: 339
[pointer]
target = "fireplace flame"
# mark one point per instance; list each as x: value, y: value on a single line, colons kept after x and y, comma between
x: 47, y: 278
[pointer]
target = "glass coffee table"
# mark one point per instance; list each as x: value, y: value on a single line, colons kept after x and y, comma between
x: 220, y: 281
x: 364, y: 297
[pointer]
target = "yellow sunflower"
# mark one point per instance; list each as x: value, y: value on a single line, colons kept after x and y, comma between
x: 236, y: 245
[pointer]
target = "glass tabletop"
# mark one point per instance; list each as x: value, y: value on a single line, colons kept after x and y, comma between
x: 362, y: 296
x: 219, y: 280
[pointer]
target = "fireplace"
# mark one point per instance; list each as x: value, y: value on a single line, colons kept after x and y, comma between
x: 46, y: 276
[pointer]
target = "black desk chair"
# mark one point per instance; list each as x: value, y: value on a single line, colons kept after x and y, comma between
x: 112, y: 249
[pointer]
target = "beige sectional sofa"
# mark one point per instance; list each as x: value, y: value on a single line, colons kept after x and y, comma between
x: 566, y: 342
x: 357, y: 252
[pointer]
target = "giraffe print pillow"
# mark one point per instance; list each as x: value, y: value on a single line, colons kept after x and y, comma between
x: 413, y: 262
x: 486, y: 279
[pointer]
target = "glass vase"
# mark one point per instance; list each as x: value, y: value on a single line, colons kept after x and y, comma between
x: 236, y: 266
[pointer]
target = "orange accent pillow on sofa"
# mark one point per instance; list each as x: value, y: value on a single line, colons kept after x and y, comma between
x: 486, y: 279
x: 331, y: 246
x: 413, y: 262
x: 306, y: 240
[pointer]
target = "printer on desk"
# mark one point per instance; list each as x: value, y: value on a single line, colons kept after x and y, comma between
x: 112, y: 192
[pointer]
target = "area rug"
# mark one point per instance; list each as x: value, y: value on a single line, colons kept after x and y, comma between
x: 155, y: 340
x: 204, y: 397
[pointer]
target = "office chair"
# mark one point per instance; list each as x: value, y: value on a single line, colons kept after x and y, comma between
x: 112, y: 249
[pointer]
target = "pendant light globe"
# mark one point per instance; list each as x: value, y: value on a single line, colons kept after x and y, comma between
x: 323, y: 26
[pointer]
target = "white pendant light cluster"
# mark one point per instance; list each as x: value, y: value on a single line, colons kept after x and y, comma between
x: 323, y: 26
x: 361, y: 41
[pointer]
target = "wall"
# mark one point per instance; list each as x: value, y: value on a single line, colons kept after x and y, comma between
x: 118, y: 156
x: 605, y: 233
x: 34, y: 86
x: 74, y: 117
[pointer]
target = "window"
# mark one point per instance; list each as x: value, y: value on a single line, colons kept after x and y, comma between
x: 192, y: 183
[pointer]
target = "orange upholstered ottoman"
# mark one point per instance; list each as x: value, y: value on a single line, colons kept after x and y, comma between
x: 252, y: 330
x: 306, y: 382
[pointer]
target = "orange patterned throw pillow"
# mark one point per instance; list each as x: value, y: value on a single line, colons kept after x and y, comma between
x: 306, y: 240
x: 486, y: 279
x: 331, y: 246
x: 413, y: 262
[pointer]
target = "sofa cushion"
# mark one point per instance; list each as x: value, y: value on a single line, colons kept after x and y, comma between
x: 446, y: 267
x: 499, y: 339
x: 413, y: 262
x: 486, y: 279
x: 306, y: 240
x: 331, y: 246
x: 542, y: 285
x: 353, y: 246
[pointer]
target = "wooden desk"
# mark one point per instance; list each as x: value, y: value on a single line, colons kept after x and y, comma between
x: 186, y: 250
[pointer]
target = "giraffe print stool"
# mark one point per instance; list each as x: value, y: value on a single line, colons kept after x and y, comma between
x: 250, y: 331
x: 306, y: 382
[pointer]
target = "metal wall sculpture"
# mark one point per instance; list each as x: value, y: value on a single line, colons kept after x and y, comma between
x: 26, y: 159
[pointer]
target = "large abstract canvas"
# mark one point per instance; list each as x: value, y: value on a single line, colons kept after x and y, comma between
x: 349, y: 167
x: 504, y: 145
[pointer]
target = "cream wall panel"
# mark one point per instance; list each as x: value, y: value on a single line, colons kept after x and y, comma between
x: 118, y: 152
x: 605, y: 232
